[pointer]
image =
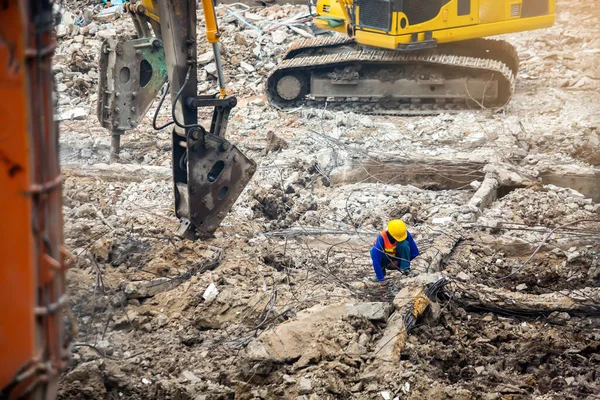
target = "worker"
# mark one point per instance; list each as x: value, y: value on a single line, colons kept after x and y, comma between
x: 393, y: 249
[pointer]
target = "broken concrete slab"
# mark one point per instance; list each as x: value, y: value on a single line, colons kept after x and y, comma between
x: 142, y: 289
x: 279, y: 36
x: 411, y: 300
x: 506, y: 175
x: 375, y: 311
x: 486, y: 194
x: 304, y: 386
x: 291, y: 340
x: 431, y: 259
x: 129, y: 172
x: 585, y: 180
x: 389, y: 347
x: 395, y: 172
x: 482, y: 296
x: 205, y: 58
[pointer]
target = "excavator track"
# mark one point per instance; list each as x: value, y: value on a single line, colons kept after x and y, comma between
x: 315, y: 69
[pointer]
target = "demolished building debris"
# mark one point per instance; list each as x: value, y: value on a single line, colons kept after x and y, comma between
x: 278, y: 304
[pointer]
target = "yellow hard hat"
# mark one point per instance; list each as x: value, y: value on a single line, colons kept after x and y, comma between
x: 397, y: 228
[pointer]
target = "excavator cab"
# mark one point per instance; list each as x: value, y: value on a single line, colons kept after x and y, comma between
x: 409, y: 25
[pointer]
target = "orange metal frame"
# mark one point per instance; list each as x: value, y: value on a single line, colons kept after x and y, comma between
x: 32, y: 275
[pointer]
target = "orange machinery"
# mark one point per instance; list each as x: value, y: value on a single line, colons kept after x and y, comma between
x: 33, y: 345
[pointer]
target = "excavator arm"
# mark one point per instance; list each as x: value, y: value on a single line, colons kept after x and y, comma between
x: 209, y: 173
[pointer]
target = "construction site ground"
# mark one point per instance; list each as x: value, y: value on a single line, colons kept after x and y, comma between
x: 482, y: 193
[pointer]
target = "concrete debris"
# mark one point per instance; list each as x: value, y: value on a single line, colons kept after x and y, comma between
x: 485, y: 194
x: 410, y: 299
x: 304, y: 386
x: 210, y: 293
x: 109, y: 12
x: 569, y: 380
x: 247, y: 67
x: 206, y: 58
x: 75, y: 113
x: 279, y: 36
x: 190, y: 376
x: 371, y: 311
x: 142, y: 289
x: 293, y: 339
x: 406, y: 388
x: 211, y: 68
x: 463, y: 276
x: 475, y: 185
x: 516, y: 301
x: 559, y: 316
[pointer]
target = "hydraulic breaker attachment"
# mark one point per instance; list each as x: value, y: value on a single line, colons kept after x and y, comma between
x: 217, y: 171
x: 209, y: 173
x: 131, y: 75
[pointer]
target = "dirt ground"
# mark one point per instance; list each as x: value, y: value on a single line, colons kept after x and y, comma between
x: 293, y: 251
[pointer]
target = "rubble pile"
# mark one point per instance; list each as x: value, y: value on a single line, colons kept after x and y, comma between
x: 545, y: 206
x: 280, y: 302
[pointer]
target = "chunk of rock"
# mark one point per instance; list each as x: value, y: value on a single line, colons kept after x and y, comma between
x: 376, y: 311
x: 247, y: 67
x: 106, y: 33
x: 205, y: 58
x: 292, y: 339
x: 304, y: 386
x: 463, y: 276
x: 86, y: 211
x: 91, y: 374
x: 105, y: 347
x: 76, y: 113
x: 211, y: 68
x: 61, y: 31
x: 435, y: 311
x: 559, y: 316
x: 141, y: 289
x: 569, y: 380
x: 82, y: 197
x: 210, y: 293
x: 190, y: 376
x: 279, y: 36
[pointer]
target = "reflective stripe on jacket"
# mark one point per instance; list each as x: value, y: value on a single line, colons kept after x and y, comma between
x: 388, y: 247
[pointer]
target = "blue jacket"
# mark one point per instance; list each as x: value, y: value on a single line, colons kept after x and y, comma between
x: 381, y: 260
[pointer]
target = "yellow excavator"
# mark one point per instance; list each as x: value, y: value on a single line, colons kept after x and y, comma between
x: 408, y: 56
